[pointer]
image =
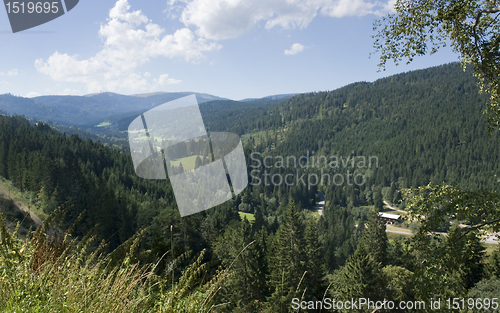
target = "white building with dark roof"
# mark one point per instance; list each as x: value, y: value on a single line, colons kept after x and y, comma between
x: 389, y: 218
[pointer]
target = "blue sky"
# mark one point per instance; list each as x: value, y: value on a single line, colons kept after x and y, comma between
x: 229, y: 48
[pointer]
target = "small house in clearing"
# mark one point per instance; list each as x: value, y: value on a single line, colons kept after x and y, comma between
x: 389, y: 218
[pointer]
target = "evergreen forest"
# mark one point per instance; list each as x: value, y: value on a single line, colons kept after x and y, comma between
x: 112, y: 241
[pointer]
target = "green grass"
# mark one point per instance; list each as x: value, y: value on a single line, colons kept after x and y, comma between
x: 396, y: 235
x: 103, y: 124
x: 58, y: 274
x: 249, y: 216
x: 187, y: 163
x: 397, y: 228
x: 315, y: 214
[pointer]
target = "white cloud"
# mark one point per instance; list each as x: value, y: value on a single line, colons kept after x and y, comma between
x: 223, y: 19
x: 341, y: 8
x: 130, y: 40
x: 32, y: 94
x: 389, y: 6
x: 12, y: 72
x: 163, y: 80
x: 294, y: 49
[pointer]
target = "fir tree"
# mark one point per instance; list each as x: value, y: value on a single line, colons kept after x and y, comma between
x: 374, y: 239
x: 288, y: 261
x: 361, y: 277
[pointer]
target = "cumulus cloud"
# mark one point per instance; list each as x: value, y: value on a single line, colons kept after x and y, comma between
x: 163, y: 80
x: 32, y: 94
x: 223, y: 19
x: 12, y: 72
x: 294, y: 49
x: 389, y: 6
x: 130, y: 40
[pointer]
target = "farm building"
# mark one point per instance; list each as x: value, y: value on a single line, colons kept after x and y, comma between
x: 389, y: 218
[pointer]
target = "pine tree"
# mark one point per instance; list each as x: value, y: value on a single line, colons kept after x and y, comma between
x: 288, y: 261
x: 361, y: 277
x: 247, y: 254
x: 3, y: 158
x: 378, y: 201
x: 259, y: 221
x: 315, y: 265
x: 259, y: 268
x: 197, y: 162
x: 242, y: 286
x: 374, y: 239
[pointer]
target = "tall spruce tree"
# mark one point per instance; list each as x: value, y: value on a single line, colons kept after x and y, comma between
x: 374, y: 239
x: 315, y: 265
x: 288, y: 261
x: 361, y: 277
x: 246, y: 252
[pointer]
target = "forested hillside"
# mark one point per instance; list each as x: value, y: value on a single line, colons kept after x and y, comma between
x: 419, y: 127
x: 424, y: 126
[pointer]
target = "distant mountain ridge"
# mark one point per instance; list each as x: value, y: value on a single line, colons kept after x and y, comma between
x: 272, y: 97
x: 93, y: 109
x: 89, y: 109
